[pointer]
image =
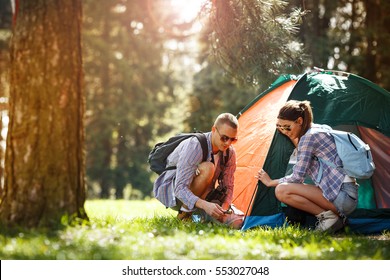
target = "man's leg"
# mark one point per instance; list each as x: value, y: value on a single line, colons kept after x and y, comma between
x: 200, y: 186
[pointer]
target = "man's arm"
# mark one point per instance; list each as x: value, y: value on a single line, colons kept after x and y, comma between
x: 189, y: 156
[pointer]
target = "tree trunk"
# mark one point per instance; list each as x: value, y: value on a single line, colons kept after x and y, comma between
x: 44, y: 164
x: 373, y: 20
x: 377, y: 56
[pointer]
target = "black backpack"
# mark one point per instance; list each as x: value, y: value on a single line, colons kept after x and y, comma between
x: 158, y: 156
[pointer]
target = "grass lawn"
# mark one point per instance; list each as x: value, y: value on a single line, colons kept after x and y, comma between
x: 145, y: 230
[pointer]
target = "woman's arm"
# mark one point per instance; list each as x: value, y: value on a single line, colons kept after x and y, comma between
x: 266, y: 180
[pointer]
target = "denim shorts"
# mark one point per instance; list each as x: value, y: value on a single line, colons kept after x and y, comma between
x: 347, y: 199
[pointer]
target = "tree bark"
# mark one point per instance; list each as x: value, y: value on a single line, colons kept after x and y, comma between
x: 44, y: 164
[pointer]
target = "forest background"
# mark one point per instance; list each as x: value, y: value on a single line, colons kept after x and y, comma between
x: 151, y: 70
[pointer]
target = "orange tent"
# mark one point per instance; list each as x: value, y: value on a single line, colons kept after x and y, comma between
x: 255, y: 134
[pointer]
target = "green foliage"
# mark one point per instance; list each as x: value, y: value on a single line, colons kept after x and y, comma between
x: 5, y: 16
x: 213, y: 94
x: 5, y: 36
x: 214, y: 91
x: 138, y: 86
x: 345, y: 35
x: 251, y: 43
x: 129, y: 90
x: 132, y: 230
x: 254, y: 40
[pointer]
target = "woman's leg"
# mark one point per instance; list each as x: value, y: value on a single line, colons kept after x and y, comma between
x: 308, y: 198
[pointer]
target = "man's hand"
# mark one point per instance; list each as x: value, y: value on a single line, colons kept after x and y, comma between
x: 226, y: 207
x: 228, y: 210
x: 211, y: 209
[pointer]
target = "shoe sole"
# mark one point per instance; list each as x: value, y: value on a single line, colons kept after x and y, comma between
x: 336, y: 226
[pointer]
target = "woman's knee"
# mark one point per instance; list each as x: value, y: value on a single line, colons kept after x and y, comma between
x: 281, y: 191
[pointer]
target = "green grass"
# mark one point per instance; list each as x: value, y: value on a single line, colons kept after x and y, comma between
x: 133, y: 230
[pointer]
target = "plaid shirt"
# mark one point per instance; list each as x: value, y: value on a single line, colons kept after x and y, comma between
x: 313, y: 145
x: 175, y: 183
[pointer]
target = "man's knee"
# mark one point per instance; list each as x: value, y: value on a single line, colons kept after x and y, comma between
x: 204, y: 177
x: 207, y: 169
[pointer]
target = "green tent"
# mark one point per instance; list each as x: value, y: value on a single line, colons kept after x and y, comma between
x: 341, y: 100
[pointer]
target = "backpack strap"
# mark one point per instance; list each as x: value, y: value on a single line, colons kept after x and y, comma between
x: 322, y: 161
x: 203, y: 143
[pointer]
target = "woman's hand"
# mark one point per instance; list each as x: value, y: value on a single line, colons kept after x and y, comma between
x: 264, y: 178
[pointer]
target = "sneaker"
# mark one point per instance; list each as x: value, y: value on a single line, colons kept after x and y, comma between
x: 337, y: 226
x: 329, y: 221
x: 182, y: 215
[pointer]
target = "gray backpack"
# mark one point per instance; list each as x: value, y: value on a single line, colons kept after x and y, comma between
x: 354, y: 153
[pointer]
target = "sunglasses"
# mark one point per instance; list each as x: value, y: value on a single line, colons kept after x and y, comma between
x: 225, y: 138
x: 284, y: 127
